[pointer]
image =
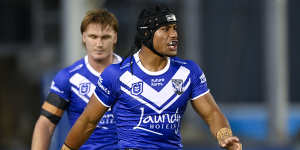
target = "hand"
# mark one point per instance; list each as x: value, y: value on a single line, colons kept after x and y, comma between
x: 231, y: 143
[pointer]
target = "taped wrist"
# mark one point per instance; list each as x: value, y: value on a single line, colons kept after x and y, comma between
x: 223, y: 133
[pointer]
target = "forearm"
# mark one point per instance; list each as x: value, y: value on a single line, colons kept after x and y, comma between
x: 80, y: 132
x: 217, y: 121
x: 220, y: 128
x: 42, y: 135
x: 85, y: 124
x: 207, y: 108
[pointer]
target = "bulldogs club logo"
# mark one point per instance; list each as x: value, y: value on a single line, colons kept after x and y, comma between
x: 177, y: 85
x: 137, y: 88
x: 84, y: 88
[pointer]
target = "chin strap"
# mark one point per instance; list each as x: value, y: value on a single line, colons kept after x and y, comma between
x: 150, y: 46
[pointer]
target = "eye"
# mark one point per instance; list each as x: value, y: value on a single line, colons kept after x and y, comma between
x: 164, y: 29
x: 92, y: 36
x: 175, y: 28
x: 105, y: 37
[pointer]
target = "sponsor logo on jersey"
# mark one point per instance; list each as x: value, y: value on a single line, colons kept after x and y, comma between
x: 106, y: 120
x: 100, y: 80
x: 126, y: 65
x: 202, y: 78
x: 165, y: 121
x: 137, y: 88
x: 55, y: 88
x: 84, y: 88
x: 177, y: 85
x: 157, y: 82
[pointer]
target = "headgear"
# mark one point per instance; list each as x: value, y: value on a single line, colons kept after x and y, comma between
x: 150, y: 20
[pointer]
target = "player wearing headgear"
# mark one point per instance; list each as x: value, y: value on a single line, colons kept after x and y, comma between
x: 73, y: 86
x: 150, y: 91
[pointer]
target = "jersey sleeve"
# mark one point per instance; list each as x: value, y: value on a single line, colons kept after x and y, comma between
x: 199, y: 84
x: 60, y: 85
x: 107, y: 88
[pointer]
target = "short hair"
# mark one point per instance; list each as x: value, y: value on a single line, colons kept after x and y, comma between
x: 99, y: 16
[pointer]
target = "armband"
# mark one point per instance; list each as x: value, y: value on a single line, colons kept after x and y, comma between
x: 53, y: 107
x: 224, y: 133
x: 57, y: 101
x: 53, y: 118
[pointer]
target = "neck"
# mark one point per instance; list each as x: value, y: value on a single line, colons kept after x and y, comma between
x: 100, y: 65
x: 152, y: 61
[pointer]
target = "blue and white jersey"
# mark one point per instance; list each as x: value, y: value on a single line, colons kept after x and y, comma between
x: 76, y: 85
x: 149, y: 106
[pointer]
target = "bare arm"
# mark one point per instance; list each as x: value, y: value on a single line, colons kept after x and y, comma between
x: 42, y: 134
x: 85, y: 124
x: 44, y: 128
x: 207, y: 108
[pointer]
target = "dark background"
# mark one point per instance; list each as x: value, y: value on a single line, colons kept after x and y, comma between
x: 232, y: 58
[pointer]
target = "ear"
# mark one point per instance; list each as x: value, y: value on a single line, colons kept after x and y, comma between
x: 84, y: 37
x: 115, y: 38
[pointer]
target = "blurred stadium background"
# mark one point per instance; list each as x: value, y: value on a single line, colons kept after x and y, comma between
x: 248, y: 49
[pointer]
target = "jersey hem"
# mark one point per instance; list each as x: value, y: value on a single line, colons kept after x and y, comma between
x: 100, y: 100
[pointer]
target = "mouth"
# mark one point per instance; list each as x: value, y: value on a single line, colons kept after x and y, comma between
x: 173, y: 45
x: 99, y: 51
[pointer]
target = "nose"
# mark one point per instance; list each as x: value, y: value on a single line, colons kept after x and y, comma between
x: 99, y: 42
x: 173, y: 33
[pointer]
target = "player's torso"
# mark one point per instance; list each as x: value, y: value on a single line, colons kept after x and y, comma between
x: 82, y: 86
x: 82, y: 83
x: 152, y: 105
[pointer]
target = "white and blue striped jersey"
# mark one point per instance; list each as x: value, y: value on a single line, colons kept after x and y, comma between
x: 148, y: 106
x: 76, y: 84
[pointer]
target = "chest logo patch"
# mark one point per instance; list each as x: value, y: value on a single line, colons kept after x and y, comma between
x: 137, y: 88
x: 177, y: 85
x: 84, y: 88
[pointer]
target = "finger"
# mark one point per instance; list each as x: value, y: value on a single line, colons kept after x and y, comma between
x: 241, y: 146
x: 231, y: 140
x: 238, y: 146
x: 235, y: 139
x: 222, y: 144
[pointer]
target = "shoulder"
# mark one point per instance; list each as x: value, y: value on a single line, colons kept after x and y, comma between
x: 67, y: 72
x: 75, y: 66
x: 183, y: 62
x: 125, y: 64
x: 112, y: 69
x: 111, y: 73
x: 115, y: 70
x: 117, y: 59
x: 188, y: 64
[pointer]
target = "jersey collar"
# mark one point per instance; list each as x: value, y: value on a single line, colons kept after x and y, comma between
x: 160, y: 72
x: 117, y: 59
